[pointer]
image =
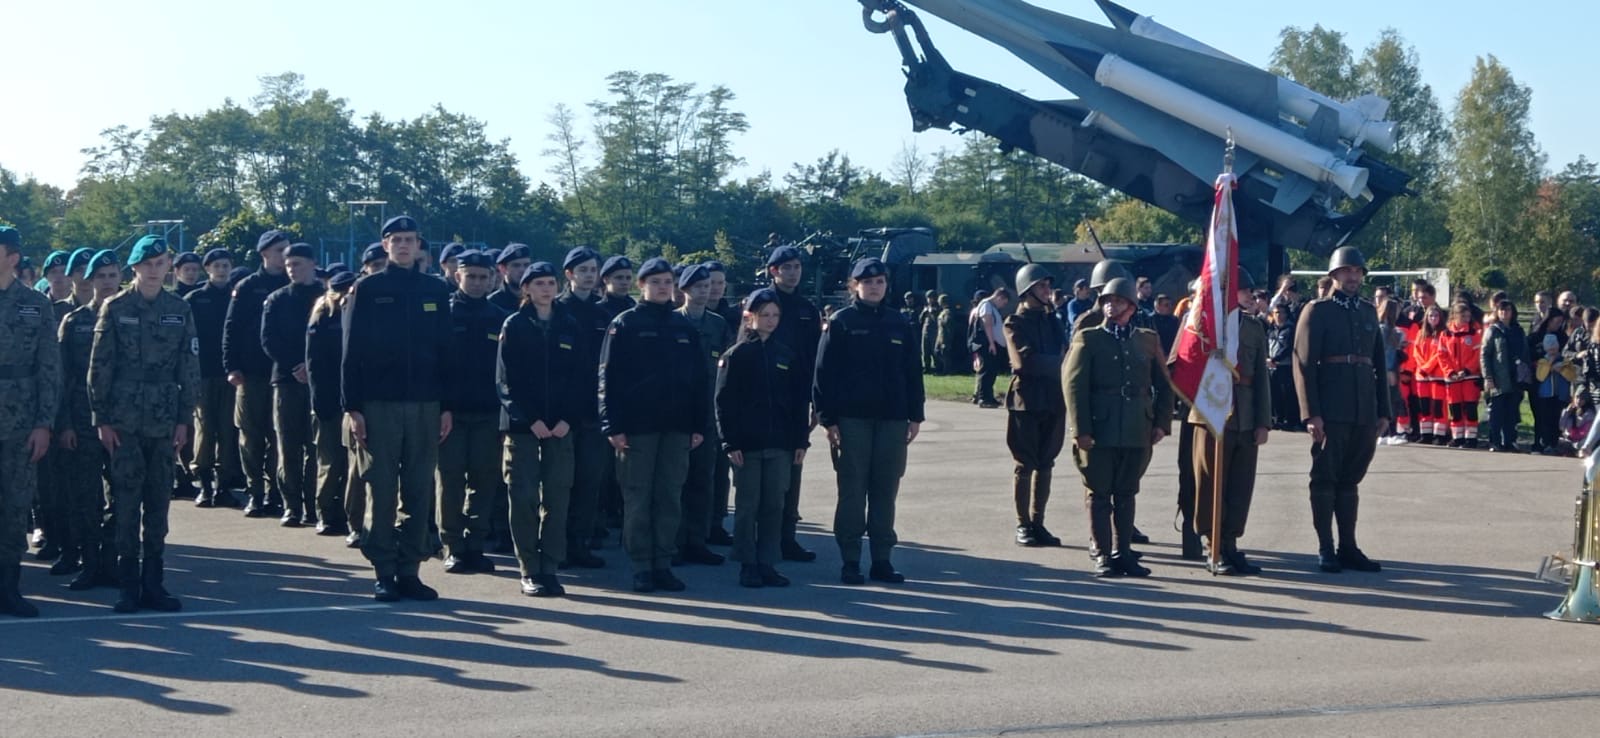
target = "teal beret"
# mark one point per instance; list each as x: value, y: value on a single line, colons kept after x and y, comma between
x: 79, y: 260
x: 105, y: 257
x: 147, y: 248
x: 56, y: 259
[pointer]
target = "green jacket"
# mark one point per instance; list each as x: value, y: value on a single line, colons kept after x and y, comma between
x: 30, y: 362
x: 1333, y: 380
x: 144, y: 366
x: 1252, y: 391
x: 1117, y: 389
x: 1498, y: 360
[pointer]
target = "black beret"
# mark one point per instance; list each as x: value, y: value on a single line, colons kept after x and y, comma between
x: 10, y: 237
x: 302, y: 250
x: 187, y: 257
x: 513, y: 252
x: 452, y: 251
x: 216, y: 255
x: 867, y: 268
x: 237, y: 274
x: 783, y: 254
x: 616, y: 263
x: 475, y: 259
x: 652, y: 267
x: 759, y: 299
x: 337, y: 267
x: 398, y: 224
x: 373, y: 253
x: 270, y: 239
x: 342, y: 280
x: 578, y: 256
x: 691, y: 274
x: 536, y: 270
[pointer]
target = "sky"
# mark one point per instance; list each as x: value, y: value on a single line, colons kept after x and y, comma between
x: 806, y: 74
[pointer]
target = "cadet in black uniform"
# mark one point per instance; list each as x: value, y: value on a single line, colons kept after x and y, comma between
x: 537, y: 378
x: 396, y: 365
x: 594, y: 461
x: 699, y: 488
x: 733, y: 313
x: 250, y: 372
x: 216, y: 456
x: 617, y: 278
x: 324, y: 351
x: 800, y: 330
x: 868, y: 394
x: 764, y: 432
x: 450, y: 263
x: 469, y: 460
x: 283, y: 337
x: 654, y: 407
x: 511, y: 263
x: 187, y: 271
x: 374, y: 259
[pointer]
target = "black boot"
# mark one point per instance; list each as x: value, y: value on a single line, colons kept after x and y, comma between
x: 89, y: 574
x: 154, y: 596
x: 128, y: 583
x: 1191, y: 548
x: 1025, y: 536
x: 770, y: 576
x: 68, y: 563
x: 883, y: 571
x: 1322, y: 523
x: 1350, y: 556
x: 1100, y: 543
x: 11, y: 602
x: 106, y: 573
x: 1241, y: 565
x: 1222, y: 566
x: 1042, y: 535
x: 750, y: 576
x: 256, y: 506
x: 791, y: 548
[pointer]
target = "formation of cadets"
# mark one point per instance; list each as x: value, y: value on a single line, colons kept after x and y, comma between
x: 511, y: 406
x: 514, y: 406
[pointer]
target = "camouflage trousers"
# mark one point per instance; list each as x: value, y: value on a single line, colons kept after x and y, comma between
x: 84, y: 487
x: 16, y: 497
x: 141, y: 493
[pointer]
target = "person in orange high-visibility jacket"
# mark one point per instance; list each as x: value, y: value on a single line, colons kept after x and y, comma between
x: 1429, y: 378
x: 1461, y: 344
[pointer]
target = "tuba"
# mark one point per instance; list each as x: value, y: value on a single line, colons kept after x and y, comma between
x: 1582, y: 603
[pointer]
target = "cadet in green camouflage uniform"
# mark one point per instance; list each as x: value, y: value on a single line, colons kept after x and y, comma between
x: 144, y: 375
x: 83, y: 458
x: 30, y: 390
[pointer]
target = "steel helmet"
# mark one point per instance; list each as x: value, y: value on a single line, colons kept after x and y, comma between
x: 1119, y: 287
x: 1030, y: 275
x: 1347, y: 256
x: 1107, y: 270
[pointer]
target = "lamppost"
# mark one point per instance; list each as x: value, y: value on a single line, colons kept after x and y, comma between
x: 354, y: 254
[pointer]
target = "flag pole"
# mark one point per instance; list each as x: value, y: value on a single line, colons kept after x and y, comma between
x: 1219, y: 435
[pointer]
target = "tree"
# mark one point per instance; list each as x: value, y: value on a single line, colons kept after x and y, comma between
x: 1132, y: 221
x: 566, y: 147
x: 1495, y: 172
x: 1318, y: 59
x: 31, y: 207
x: 910, y: 170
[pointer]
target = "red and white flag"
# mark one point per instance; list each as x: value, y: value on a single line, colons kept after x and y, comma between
x: 1203, y: 363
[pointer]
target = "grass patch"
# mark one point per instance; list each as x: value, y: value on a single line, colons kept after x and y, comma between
x: 957, y: 387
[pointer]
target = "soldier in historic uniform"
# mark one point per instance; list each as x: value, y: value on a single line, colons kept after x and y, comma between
x: 1035, y: 408
x: 1243, y: 434
x: 144, y: 377
x: 1339, y: 374
x: 30, y: 393
x: 1119, y: 405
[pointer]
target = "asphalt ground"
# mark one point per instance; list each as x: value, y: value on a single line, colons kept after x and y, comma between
x: 279, y: 634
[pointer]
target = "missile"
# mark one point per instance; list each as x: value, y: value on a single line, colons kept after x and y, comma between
x: 1359, y: 121
x: 1296, y: 155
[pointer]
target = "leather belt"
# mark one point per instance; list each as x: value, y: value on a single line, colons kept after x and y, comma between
x: 1348, y: 359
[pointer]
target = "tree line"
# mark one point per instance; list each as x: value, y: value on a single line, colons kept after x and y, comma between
x: 648, y: 169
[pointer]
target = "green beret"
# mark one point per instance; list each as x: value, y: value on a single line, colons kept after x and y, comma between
x: 147, y: 248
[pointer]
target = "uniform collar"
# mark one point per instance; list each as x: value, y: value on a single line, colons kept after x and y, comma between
x: 1346, y: 301
x: 1119, y: 332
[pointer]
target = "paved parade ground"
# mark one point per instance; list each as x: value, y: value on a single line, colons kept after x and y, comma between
x: 280, y: 636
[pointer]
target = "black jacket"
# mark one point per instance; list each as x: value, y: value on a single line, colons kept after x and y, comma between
x: 474, y: 351
x: 396, y: 339
x: 508, y: 298
x: 592, y: 321
x: 800, y: 328
x: 653, y: 375
x: 758, y: 387
x: 537, y: 370
x: 209, y: 304
x: 617, y: 305
x: 241, y: 331
x: 283, y: 327
x: 869, y: 366
x: 324, y: 350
